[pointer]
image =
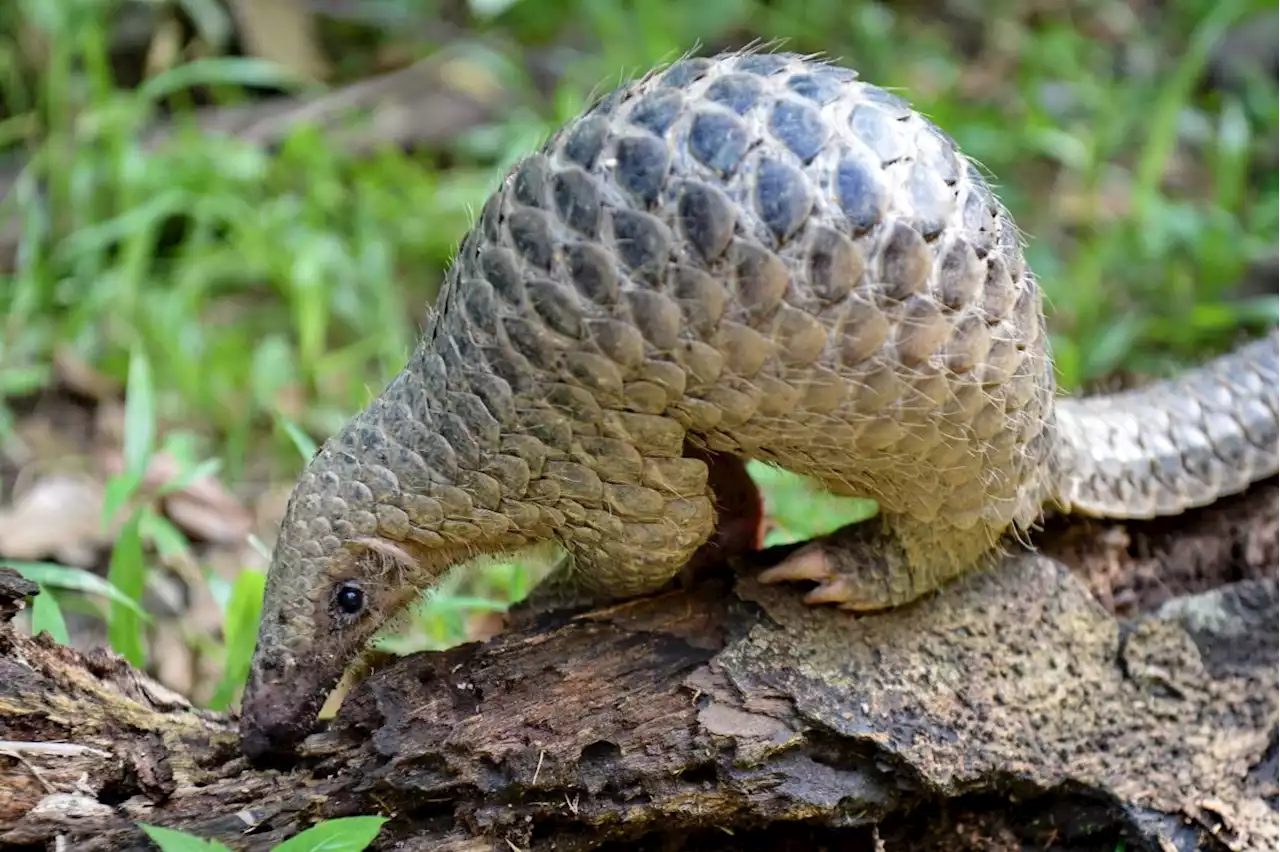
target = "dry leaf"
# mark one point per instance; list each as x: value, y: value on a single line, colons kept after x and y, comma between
x: 73, y: 372
x: 204, y: 509
x: 58, y: 517
x: 282, y: 31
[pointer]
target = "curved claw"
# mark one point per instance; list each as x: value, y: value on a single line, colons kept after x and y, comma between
x: 809, y: 564
x: 837, y: 591
x: 814, y: 564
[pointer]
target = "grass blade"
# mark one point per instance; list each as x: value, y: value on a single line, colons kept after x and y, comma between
x: 46, y: 617
x: 1162, y: 120
x: 240, y: 629
x: 139, y: 415
x: 172, y: 840
x: 128, y: 573
x: 75, y: 580
x: 222, y: 71
x: 301, y: 441
x: 348, y: 834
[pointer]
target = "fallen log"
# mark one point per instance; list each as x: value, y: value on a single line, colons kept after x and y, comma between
x: 1012, y: 711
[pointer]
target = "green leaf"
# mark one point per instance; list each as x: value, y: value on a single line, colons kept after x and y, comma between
x: 801, y: 508
x: 139, y: 435
x: 172, y: 840
x: 128, y: 573
x: 46, y: 616
x: 470, y: 602
x: 163, y: 534
x: 118, y: 491
x: 349, y: 834
x: 1110, y: 348
x: 1067, y: 362
x: 76, y: 580
x: 221, y: 71
x: 273, y: 368
x: 97, y: 238
x: 305, y: 446
x: 211, y: 21
x: 139, y: 415
x: 18, y: 381
x: 1161, y: 116
x: 192, y: 474
x: 1231, y: 155
x: 312, y: 275
x: 244, y: 610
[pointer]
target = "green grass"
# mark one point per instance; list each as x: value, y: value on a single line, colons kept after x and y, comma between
x: 346, y: 834
x: 252, y: 300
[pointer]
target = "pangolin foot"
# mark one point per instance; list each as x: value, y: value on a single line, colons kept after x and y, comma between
x: 855, y: 568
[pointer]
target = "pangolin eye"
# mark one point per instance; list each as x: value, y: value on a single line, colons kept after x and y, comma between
x: 349, y: 599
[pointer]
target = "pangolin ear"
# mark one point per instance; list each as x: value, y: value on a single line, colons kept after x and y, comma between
x: 391, y: 551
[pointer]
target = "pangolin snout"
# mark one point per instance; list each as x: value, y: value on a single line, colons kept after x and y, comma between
x: 272, y: 720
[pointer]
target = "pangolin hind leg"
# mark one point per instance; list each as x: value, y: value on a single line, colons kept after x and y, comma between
x: 882, y: 562
x: 861, y: 567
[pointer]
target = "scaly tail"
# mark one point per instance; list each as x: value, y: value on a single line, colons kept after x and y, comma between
x: 1175, y: 444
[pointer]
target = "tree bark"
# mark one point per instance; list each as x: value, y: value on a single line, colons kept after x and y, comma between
x: 1014, y: 710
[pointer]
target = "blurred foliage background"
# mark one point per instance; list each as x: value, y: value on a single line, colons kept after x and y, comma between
x: 222, y: 220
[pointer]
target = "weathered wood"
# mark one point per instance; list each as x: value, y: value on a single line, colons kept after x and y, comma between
x: 716, y: 717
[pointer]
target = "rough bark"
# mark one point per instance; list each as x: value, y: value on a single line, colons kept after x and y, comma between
x: 1012, y: 711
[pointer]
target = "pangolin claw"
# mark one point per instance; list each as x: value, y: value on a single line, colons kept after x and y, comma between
x: 838, y: 591
x: 808, y: 564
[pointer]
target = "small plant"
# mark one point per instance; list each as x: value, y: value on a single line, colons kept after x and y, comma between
x: 145, y: 526
x: 348, y: 834
x: 46, y: 612
x: 240, y: 633
x: 799, y: 510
